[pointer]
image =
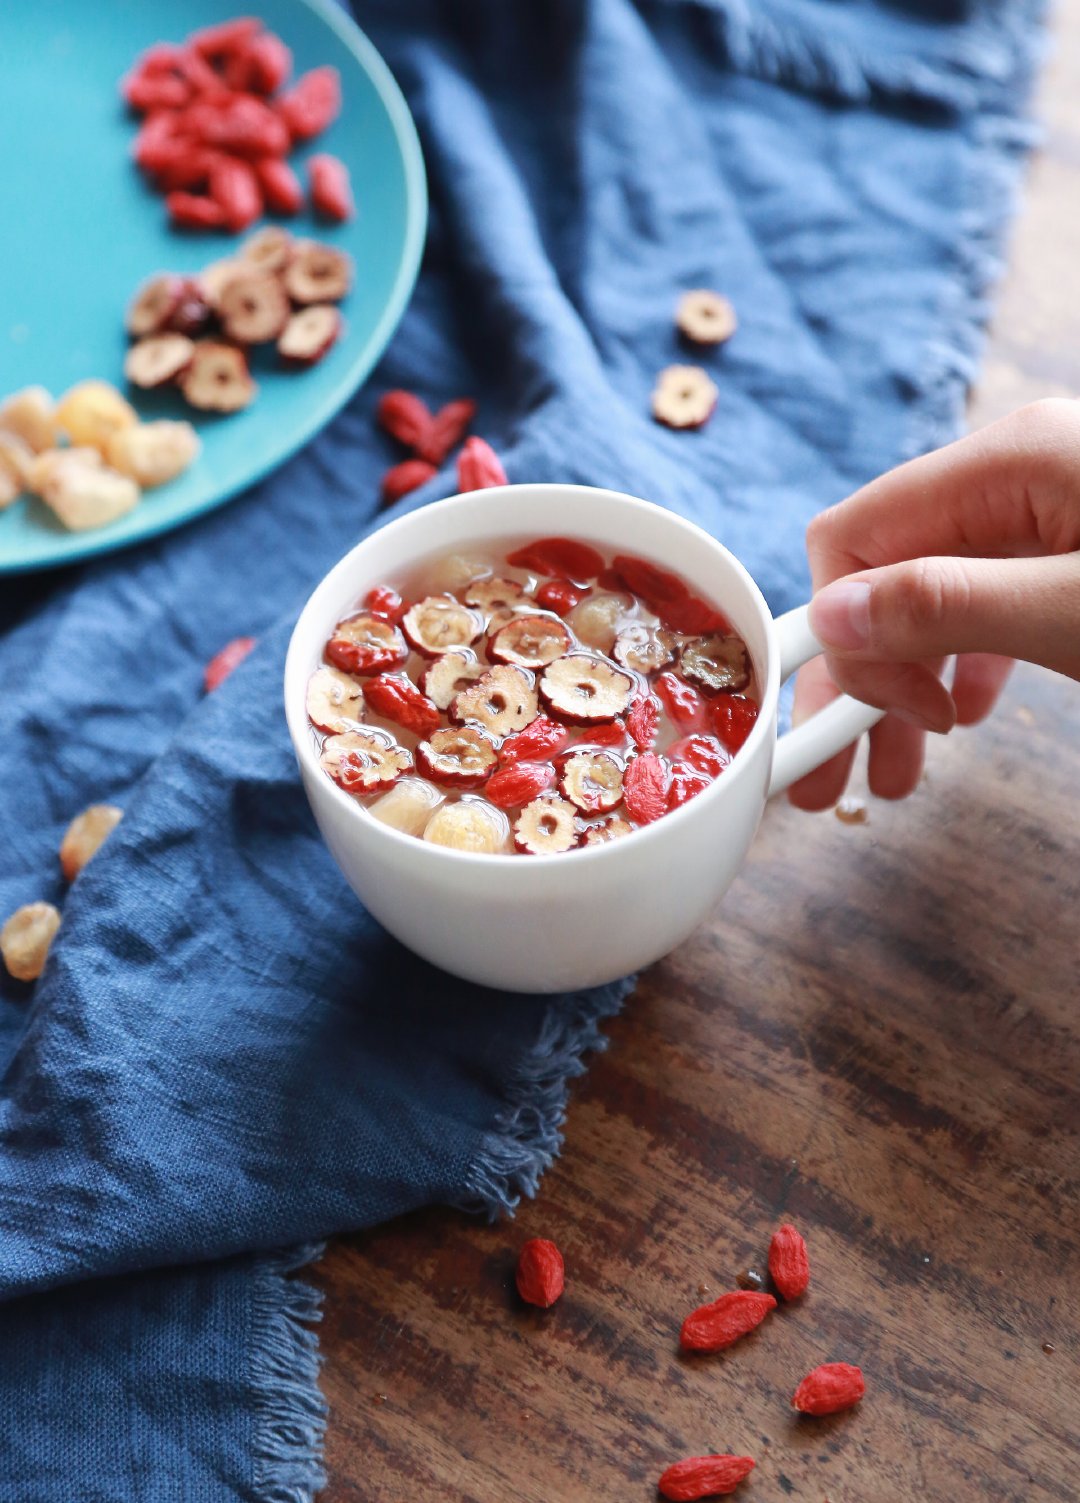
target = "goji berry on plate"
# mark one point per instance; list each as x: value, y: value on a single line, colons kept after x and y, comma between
x: 222, y: 663
x: 219, y: 40
x: 564, y: 557
x: 789, y: 1264
x: 829, y: 1388
x: 396, y: 698
x: 407, y: 476
x: 478, y: 466
x: 540, y: 1276
x: 261, y: 63
x: 446, y: 429
x: 192, y: 211
x: 331, y: 193
x: 280, y: 185
x: 313, y: 103
x: 720, y: 1324
x: 704, y: 1477
x: 516, y: 785
x: 645, y: 787
x: 235, y: 187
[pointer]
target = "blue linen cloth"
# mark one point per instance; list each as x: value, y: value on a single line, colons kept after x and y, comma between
x: 225, y: 1055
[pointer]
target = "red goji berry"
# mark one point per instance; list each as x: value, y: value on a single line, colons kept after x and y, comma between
x: 606, y: 735
x: 693, y: 616
x: 280, y: 185
x: 404, y: 416
x: 235, y: 187
x: 396, y: 698
x: 704, y: 1477
x: 540, y: 738
x: 217, y: 41
x: 262, y: 64
x: 686, y: 783
x: 514, y: 786
x: 385, y: 603
x: 159, y: 140
x: 191, y: 211
x: 331, y: 194
x: 478, y: 466
x: 829, y: 1388
x: 446, y: 430
x: 703, y: 752
x: 190, y: 168
x: 642, y: 722
x: 733, y: 717
x: 313, y: 103
x: 407, y: 476
x: 789, y: 1265
x: 222, y: 663
x: 713, y: 1327
x: 540, y: 1273
x: 645, y: 787
x: 611, y: 580
x: 242, y: 124
x: 668, y: 596
x: 563, y: 557
x: 560, y: 596
x: 155, y: 91
x: 683, y: 703
x: 160, y: 57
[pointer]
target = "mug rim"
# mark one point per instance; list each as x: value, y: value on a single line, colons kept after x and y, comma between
x: 297, y: 673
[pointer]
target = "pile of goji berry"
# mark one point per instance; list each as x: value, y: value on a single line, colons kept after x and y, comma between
x: 216, y: 130
x: 827, y: 1389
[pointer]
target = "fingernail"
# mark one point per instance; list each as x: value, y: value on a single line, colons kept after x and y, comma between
x: 840, y: 615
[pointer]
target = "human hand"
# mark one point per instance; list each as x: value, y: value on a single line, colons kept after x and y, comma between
x: 971, y: 551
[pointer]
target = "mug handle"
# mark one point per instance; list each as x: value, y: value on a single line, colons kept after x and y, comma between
x: 831, y: 729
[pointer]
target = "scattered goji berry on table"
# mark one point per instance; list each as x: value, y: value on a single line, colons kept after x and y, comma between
x: 720, y: 1324
x: 331, y: 194
x: 446, y: 430
x: 407, y: 476
x: 404, y: 416
x: 396, y: 698
x: 478, y: 466
x: 704, y: 1477
x: 540, y: 1273
x: 645, y: 787
x: 222, y: 663
x: 789, y: 1265
x: 829, y: 1388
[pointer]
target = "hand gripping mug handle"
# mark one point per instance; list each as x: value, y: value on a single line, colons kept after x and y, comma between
x: 831, y: 729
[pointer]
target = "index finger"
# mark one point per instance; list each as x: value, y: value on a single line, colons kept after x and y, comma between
x: 1009, y: 490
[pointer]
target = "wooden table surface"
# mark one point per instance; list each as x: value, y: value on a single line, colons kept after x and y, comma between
x: 878, y: 1038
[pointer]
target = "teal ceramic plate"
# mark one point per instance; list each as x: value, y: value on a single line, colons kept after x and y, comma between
x: 81, y: 230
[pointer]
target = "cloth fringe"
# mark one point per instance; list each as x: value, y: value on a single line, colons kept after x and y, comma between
x: 290, y: 1419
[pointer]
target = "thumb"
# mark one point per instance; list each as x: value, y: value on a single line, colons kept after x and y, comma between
x: 933, y: 607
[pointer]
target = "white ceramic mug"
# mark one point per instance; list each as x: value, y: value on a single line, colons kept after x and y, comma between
x: 557, y: 923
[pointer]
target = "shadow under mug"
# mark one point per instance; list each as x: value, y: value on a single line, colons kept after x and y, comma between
x: 559, y: 923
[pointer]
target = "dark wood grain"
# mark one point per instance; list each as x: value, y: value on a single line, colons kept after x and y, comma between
x: 877, y: 1037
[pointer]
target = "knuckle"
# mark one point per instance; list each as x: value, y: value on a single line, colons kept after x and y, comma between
x: 930, y: 593
x: 821, y: 527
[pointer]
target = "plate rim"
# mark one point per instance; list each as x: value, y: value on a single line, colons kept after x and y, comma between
x: 389, y: 91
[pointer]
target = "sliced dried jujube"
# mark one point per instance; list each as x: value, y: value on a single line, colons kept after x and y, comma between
x: 597, y: 619
x: 592, y: 781
x: 365, y: 644
x: 584, y: 690
x: 614, y: 827
x: 335, y: 702
x: 363, y: 761
x: 449, y: 675
x: 716, y: 663
x: 645, y: 649
x: 501, y: 702
x: 494, y: 594
x: 254, y: 308
x: 546, y: 827
x: 469, y: 825
x: 457, y: 757
x: 530, y: 641
x: 439, y: 622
